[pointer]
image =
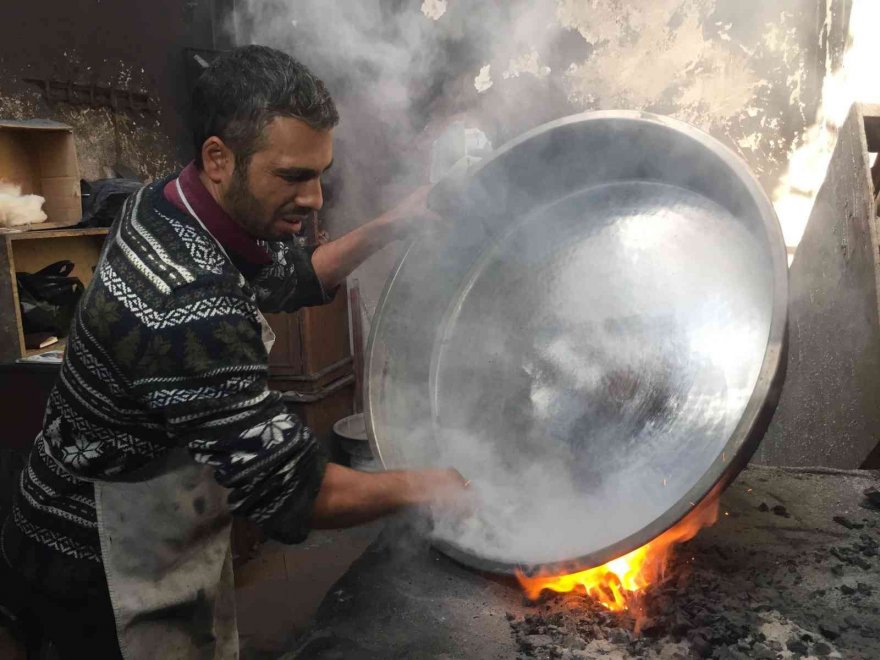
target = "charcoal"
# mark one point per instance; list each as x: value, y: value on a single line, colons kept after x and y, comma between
x: 681, y: 625
x: 861, y: 562
x: 780, y: 510
x: 701, y: 646
x: 730, y: 653
x: 846, y: 522
x: 653, y: 628
x: 663, y: 604
x: 763, y: 652
x: 797, y: 646
x: 712, y: 603
x: 537, y: 641
x: 821, y: 649
x: 829, y: 630
x: 719, y: 634
x: 847, y: 556
x: 841, y: 553
x: 763, y: 507
x: 619, y: 636
x: 555, y: 619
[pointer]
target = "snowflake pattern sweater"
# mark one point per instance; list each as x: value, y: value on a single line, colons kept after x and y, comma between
x: 165, y: 351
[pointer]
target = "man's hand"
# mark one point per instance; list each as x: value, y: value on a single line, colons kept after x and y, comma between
x: 348, y: 497
x: 445, y: 491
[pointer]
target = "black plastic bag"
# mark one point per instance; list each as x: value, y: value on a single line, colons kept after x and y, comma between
x: 48, y: 298
x: 103, y: 199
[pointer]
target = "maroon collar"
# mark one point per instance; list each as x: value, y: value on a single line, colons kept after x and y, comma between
x: 235, y: 240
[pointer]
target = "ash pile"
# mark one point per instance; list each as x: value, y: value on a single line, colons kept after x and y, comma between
x: 729, y: 594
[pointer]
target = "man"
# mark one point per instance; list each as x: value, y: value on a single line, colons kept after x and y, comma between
x: 161, y: 423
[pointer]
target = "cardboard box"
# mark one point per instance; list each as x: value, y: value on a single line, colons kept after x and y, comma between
x: 40, y: 156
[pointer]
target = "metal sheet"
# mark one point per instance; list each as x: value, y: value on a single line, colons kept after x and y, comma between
x: 593, y: 342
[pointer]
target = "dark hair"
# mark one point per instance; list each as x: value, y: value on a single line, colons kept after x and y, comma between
x: 243, y: 90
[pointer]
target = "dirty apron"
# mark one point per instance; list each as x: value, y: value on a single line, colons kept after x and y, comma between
x: 165, y: 543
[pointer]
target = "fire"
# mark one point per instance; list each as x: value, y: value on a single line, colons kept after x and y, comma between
x: 855, y: 80
x: 618, y: 582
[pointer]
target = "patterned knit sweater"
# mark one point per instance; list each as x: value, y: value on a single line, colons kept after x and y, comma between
x: 165, y: 351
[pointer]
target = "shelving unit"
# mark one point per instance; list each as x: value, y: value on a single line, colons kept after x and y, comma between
x: 29, y: 251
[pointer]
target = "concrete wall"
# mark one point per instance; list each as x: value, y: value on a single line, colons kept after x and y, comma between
x: 749, y: 72
x: 829, y: 411
x: 132, y: 45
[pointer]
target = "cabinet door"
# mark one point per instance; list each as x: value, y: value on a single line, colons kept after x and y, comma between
x: 312, y: 341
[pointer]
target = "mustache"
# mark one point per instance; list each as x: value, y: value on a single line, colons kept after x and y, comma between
x: 299, y: 212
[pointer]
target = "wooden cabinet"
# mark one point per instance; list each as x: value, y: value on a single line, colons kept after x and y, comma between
x: 312, y: 347
x: 30, y: 251
x: 311, y: 365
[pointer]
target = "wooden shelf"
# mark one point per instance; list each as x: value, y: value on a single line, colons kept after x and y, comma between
x: 59, y: 345
x: 30, y: 251
x: 39, y: 234
x: 41, y: 227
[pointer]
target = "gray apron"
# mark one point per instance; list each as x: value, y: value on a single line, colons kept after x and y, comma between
x: 166, y: 550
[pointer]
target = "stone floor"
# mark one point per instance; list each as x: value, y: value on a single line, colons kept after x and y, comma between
x: 279, y: 590
x: 791, y: 569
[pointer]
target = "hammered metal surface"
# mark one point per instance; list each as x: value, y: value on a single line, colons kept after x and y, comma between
x: 586, y: 363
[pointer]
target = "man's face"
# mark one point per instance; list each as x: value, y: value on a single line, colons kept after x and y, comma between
x: 281, y: 187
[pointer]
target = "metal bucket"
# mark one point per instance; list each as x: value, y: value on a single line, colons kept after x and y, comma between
x: 351, y: 435
x: 595, y: 340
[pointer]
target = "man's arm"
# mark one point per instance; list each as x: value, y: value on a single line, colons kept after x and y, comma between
x: 348, y: 497
x: 207, y: 378
x: 334, y: 261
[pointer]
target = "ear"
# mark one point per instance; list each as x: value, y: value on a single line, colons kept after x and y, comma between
x: 218, y: 161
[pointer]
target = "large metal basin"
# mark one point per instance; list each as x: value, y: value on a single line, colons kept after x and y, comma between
x: 594, y: 341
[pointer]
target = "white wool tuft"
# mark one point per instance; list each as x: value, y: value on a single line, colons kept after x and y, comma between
x: 17, y: 209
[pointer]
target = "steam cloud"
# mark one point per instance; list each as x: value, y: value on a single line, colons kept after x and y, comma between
x: 750, y: 74
x: 402, y: 71
x: 583, y: 417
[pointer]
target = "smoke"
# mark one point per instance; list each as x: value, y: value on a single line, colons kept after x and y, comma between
x: 403, y: 71
x: 583, y: 413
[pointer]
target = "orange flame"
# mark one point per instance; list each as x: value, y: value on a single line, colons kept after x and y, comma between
x: 616, y: 583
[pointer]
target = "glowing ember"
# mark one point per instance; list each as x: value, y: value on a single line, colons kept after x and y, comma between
x: 618, y: 582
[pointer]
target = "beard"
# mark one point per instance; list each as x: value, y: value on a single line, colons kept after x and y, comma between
x: 252, y: 215
x: 245, y: 208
